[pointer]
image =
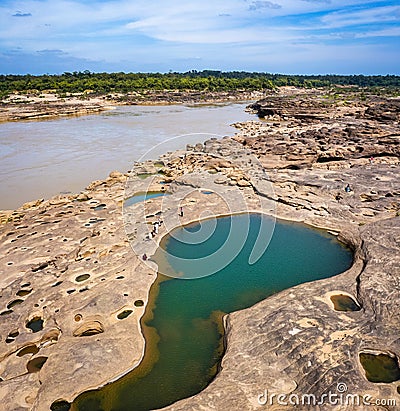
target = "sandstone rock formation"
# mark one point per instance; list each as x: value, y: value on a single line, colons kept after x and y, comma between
x: 68, y: 271
x: 70, y: 280
x: 295, y: 343
x: 38, y: 106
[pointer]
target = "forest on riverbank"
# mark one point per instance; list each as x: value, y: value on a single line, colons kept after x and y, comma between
x: 206, y: 80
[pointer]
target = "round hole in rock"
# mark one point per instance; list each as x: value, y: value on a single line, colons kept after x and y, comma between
x: 139, y: 303
x: 14, y: 334
x: 36, y: 364
x: 120, y: 277
x: 82, y: 277
x: 29, y: 349
x: 23, y: 293
x: 10, y: 263
x: 398, y: 389
x: 35, y: 324
x: 60, y: 405
x: 343, y: 302
x: 9, y: 340
x: 71, y: 291
x: 78, y: 317
x: 13, y: 303
x: 124, y: 314
x: 380, y: 367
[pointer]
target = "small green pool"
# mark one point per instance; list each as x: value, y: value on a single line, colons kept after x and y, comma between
x: 380, y: 367
x: 183, y: 322
x: 137, y: 198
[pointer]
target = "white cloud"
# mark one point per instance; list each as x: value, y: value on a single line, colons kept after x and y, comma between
x: 392, y: 32
x: 196, y: 32
x: 376, y: 15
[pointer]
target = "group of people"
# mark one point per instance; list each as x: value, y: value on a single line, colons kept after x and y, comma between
x: 152, y: 234
x: 347, y: 189
x: 156, y: 227
x: 154, y: 231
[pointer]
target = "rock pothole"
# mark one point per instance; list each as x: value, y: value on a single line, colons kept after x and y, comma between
x: 124, y: 314
x: 345, y: 302
x: 23, y: 293
x: 89, y: 328
x: 28, y: 349
x: 13, y: 303
x: 60, y: 405
x: 82, y: 277
x: 35, y: 324
x: 36, y: 364
x: 380, y: 367
x: 139, y: 303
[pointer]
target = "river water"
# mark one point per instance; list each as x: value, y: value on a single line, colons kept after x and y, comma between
x: 39, y: 159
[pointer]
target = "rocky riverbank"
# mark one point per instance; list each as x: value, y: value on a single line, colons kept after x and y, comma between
x: 73, y: 291
x: 299, y: 343
x: 46, y: 105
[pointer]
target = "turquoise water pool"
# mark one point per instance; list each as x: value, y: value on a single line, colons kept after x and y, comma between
x: 183, y: 322
x: 138, y: 198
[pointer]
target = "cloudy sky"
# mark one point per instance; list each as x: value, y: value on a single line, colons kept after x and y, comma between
x: 277, y: 36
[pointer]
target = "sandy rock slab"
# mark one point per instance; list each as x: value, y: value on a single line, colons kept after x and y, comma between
x: 67, y: 274
x: 294, y: 349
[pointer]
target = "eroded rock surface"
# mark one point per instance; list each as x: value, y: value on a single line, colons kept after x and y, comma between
x: 34, y: 105
x: 296, y: 343
x: 68, y: 270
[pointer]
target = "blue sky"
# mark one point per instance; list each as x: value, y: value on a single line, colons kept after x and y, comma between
x: 277, y: 36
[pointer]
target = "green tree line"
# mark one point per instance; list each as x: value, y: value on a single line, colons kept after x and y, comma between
x: 206, y: 80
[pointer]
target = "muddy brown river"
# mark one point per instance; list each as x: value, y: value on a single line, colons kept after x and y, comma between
x: 39, y: 159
